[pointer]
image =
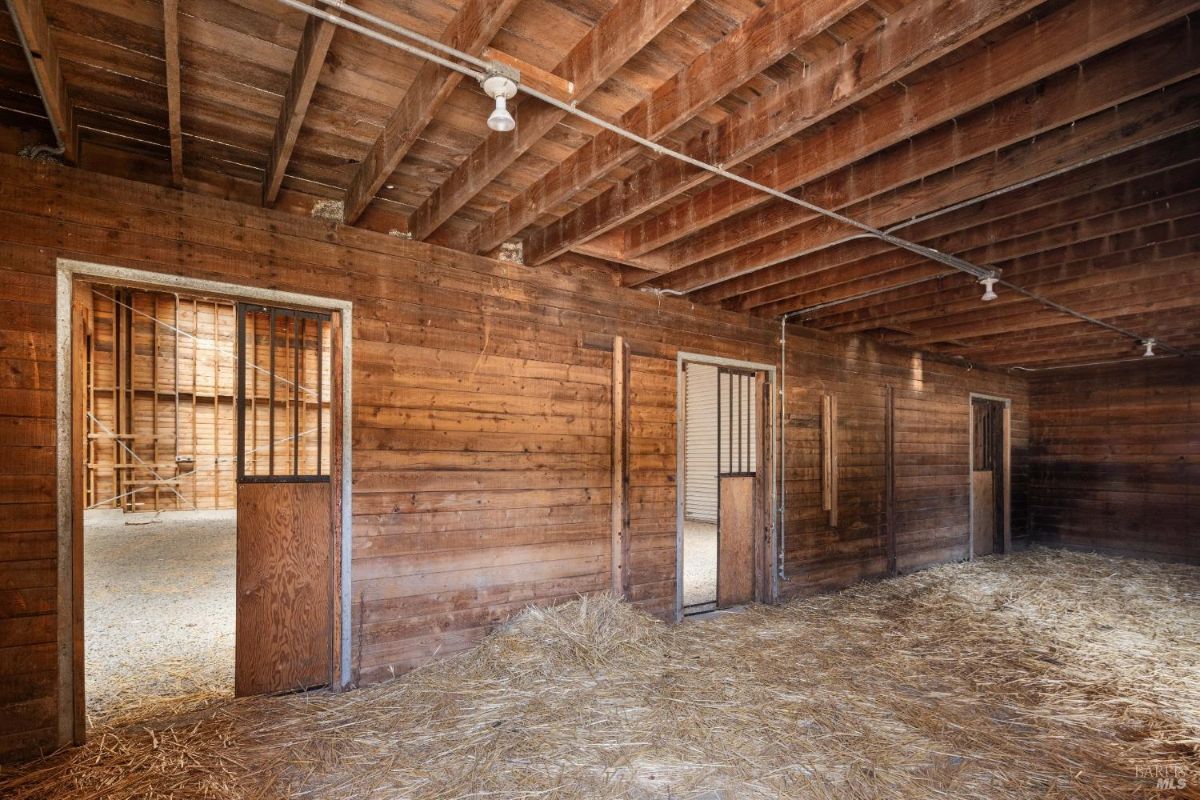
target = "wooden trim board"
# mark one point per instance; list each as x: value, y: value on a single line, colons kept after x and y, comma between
x: 770, y: 516
x: 69, y: 644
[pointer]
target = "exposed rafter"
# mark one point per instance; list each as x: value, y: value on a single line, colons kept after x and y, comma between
x: 475, y: 24
x: 306, y: 71
x: 620, y: 34
x: 1015, y: 210
x: 767, y: 36
x: 1131, y: 125
x: 1064, y: 39
x: 907, y: 40
x: 1039, y: 228
x: 29, y: 17
x: 171, y: 67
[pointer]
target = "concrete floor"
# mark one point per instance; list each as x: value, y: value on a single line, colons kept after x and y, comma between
x: 158, y: 606
x: 699, y: 563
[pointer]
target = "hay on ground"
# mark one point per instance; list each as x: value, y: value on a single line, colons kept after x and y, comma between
x: 1043, y: 674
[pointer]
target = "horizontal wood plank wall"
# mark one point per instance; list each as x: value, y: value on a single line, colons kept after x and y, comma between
x: 481, y: 442
x: 932, y: 490
x: 179, y: 389
x: 1115, y: 459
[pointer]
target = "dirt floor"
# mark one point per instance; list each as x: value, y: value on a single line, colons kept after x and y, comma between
x: 1043, y: 674
x: 158, y: 606
x: 699, y: 563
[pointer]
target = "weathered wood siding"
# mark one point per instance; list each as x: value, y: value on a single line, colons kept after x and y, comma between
x: 481, y: 442
x: 932, y: 437
x: 1115, y: 460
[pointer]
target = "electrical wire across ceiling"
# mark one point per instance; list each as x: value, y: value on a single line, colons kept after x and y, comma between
x: 482, y: 70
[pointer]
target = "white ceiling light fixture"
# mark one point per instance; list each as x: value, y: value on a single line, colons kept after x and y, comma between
x: 1149, y: 345
x: 989, y: 288
x: 501, y: 87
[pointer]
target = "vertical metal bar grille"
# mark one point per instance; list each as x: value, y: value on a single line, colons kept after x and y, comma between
x: 736, y: 422
x: 296, y: 407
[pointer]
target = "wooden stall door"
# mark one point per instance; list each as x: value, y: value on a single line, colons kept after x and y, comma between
x: 988, y: 492
x: 285, y: 530
x: 284, y: 594
x: 737, y: 485
x: 735, y: 554
x: 982, y: 482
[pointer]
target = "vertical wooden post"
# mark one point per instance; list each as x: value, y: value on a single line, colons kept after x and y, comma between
x: 619, y: 518
x: 829, y: 458
x: 80, y: 319
x: 1007, y: 479
x: 889, y: 435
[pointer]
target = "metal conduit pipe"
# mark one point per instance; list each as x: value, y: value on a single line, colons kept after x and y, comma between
x: 572, y: 108
x: 484, y: 68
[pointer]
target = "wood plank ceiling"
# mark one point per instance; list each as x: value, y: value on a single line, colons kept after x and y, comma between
x: 1055, y: 142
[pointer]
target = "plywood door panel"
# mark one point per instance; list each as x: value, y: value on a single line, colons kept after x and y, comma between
x: 983, y: 489
x: 735, y: 549
x: 284, y: 587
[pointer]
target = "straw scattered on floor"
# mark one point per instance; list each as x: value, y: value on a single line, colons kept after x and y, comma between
x: 1043, y: 674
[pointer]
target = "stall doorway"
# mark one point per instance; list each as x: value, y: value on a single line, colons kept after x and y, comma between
x: 160, y: 518
x: 990, y: 476
x: 204, y: 531
x: 723, y: 487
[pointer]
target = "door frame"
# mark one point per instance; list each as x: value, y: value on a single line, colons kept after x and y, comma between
x: 71, y: 725
x: 1007, y: 477
x: 768, y: 505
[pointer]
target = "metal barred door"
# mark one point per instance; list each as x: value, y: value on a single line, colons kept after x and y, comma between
x: 737, y: 472
x: 285, y: 536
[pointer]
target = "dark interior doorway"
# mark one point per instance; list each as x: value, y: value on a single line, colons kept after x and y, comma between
x: 722, y: 489
x: 989, y: 476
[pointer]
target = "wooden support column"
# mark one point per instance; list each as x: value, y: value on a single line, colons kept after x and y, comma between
x: 889, y: 435
x: 619, y: 520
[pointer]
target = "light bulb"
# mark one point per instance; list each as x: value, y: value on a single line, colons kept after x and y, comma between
x: 989, y: 288
x: 1149, y: 345
x: 501, y: 120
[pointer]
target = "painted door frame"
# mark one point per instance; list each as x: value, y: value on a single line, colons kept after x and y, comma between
x: 769, y: 472
x: 1007, y: 448
x: 71, y: 727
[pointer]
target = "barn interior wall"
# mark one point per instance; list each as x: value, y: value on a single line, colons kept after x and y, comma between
x: 1115, y: 459
x: 482, y: 433
x: 161, y: 384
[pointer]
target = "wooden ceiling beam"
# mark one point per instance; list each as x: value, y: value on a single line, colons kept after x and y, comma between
x: 1075, y: 341
x: 471, y: 29
x: 952, y: 231
x: 956, y: 300
x: 1119, y: 208
x: 1070, y: 36
x: 174, y: 103
x: 619, y: 35
x: 1131, y: 71
x: 770, y: 33
x: 1134, y: 124
x: 922, y: 300
x: 29, y: 18
x: 1164, y: 286
x: 911, y: 38
x: 907, y: 305
x: 306, y: 71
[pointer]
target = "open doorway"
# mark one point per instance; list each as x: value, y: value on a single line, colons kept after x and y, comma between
x: 990, y: 476
x: 160, y: 519
x: 206, y: 539
x: 722, y: 557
